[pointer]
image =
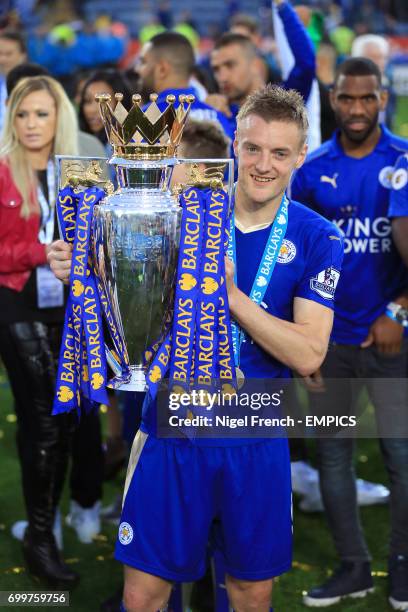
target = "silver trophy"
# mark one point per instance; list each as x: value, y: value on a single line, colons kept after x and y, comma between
x: 136, y: 228
x: 135, y: 244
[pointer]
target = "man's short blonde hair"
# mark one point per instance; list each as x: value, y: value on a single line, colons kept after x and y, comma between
x: 273, y: 103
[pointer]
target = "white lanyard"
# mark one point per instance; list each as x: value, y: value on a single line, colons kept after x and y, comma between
x: 50, y: 290
x: 46, y: 232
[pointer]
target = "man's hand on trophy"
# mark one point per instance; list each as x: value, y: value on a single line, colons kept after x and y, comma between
x: 59, y: 256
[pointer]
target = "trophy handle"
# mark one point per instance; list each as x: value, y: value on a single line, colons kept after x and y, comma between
x: 83, y: 172
x: 198, y: 179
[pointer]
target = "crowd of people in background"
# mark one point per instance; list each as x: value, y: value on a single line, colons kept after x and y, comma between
x: 52, y: 64
x: 75, y: 38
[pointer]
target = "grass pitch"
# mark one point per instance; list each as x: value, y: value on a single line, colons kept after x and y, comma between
x: 101, y: 575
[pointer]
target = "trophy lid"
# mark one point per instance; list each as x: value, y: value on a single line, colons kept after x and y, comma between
x: 144, y: 135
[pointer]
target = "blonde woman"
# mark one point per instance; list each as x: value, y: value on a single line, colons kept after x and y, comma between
x: 40, y: 123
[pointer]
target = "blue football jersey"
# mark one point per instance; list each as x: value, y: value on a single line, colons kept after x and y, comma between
x: 308, y: 266
x: 399, y: 189
x: 355, y: 195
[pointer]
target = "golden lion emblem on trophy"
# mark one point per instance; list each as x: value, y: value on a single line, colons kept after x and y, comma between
x: 90, y: 176
x: 211, y: 177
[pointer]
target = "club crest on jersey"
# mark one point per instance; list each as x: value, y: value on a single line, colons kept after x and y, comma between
x: 332, y: 180
x: 325, y: 283
x: 399, y: 178
x: 385, y: 176
x: 125, y: 533
x: 287, y: 252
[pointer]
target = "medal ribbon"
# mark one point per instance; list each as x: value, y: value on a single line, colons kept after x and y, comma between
x: 225, y: 344
x: 206, y: 367
x: 159, y: 366
x: 83, y: 313
x: 66, y: 213
x: 187, y: 288
x: 95, y: 351
x: 67, y: 383
x: 67, y: 202
x: 265, y: 268
x: 199, y: 341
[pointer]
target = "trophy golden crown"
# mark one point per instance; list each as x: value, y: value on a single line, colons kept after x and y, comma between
x: 151, y: 134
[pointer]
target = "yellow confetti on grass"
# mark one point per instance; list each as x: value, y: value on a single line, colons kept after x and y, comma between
x: 11, y: 418
x: 100, y: 538
x: 303, y: 566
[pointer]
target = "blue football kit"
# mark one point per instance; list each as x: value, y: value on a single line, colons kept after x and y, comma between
x: 177, y: 490
x: 399, y: 188
x: 355, y: 195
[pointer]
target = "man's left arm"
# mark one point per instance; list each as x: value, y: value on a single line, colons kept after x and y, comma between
x: 301, y: 344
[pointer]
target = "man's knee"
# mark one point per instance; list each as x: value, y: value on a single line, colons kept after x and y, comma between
x: 139, y: 600
x: 144, y: 592
x: 248, y: 596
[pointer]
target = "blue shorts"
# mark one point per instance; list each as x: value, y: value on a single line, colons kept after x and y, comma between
x: 175, y: 493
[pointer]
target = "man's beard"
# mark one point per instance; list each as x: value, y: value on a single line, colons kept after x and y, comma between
x: 362, y: 135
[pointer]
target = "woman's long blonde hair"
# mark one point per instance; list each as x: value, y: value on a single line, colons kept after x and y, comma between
x: 65, y: 140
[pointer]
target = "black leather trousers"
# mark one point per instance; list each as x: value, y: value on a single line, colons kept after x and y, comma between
x: 30, y: 351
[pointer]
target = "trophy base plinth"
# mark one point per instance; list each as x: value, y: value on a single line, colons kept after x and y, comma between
x: 137, y: 381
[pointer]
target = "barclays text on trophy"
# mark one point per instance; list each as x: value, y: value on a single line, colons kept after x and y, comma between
x: 129, y: 248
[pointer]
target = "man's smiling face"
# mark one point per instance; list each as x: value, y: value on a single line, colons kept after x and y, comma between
x: 267, y: 152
